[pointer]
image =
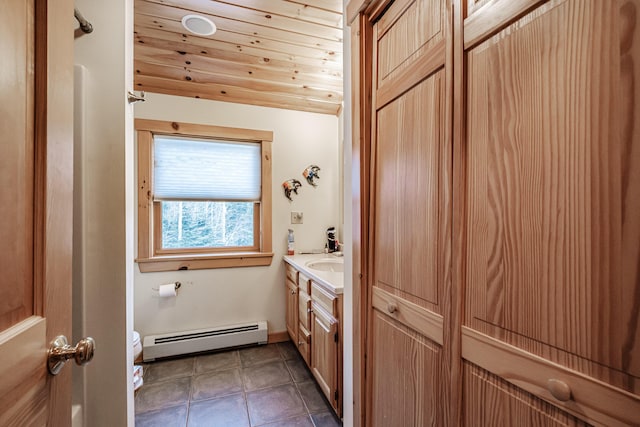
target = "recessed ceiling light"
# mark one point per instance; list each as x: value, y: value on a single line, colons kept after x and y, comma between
x: 199, y: 25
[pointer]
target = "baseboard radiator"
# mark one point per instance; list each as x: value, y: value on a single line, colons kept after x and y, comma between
x: 165, y: 345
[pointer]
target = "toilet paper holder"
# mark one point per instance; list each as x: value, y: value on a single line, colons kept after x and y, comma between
x: 176, y: 284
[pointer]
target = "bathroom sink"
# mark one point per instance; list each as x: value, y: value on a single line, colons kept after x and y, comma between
x: 333, y: 265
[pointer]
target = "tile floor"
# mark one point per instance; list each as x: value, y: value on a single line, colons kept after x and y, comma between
x: 267, y: 385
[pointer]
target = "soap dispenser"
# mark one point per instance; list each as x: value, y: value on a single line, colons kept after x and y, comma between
x: 290, y: 242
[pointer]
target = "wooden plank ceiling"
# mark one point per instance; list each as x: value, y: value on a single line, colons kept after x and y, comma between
x: 274, y: 53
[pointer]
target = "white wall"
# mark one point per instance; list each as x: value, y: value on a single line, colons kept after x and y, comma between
x: 103, y: 226
x: 227, y: 296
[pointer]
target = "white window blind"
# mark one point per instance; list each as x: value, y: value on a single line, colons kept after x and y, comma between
x: 201, y: 169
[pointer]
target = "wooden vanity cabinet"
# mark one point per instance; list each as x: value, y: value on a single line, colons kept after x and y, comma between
x: 318, y: 332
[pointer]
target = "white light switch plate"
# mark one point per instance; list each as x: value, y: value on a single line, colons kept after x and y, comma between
x: 296, y: 217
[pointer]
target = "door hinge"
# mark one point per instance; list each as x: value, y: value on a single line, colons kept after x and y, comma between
x: 335, y: 337
x: 336, y: 395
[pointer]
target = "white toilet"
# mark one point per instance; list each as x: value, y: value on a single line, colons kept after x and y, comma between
x: 137, y: 346
x: 137, y: 369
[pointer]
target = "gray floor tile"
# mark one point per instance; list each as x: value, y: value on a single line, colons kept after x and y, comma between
x: 217, y: 361
x: 303, y: 421
x: 168, y: 417
x: 216, y: 384
x: 167, y: 369
x: 326, y: 419
x: 288, y: 350
x: 229, y: 411
x: 274, y: 404
x: 265, y: 375
x: 313, y: 397
x: 162, y: 394
x: 299, y: 370
x: 260, y: 354
x: 265, y: 386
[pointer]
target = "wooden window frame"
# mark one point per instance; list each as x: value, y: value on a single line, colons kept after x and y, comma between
x: 151, y: 256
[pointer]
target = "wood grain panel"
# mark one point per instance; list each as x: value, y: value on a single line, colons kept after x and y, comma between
x: 218, y: 78
x: 291, y: 314
x: 328, y: 13
x: 233, y: 52
x: 590, y: 399
x: 324, y: 353
x: 412, y: 34
x: 20, y: 340
x: 473, y: 5
x: 170, y: 19
x: 408, y: 180
x: 490, y: 401
x: 256, y: 17
x: 260, y: 71
x: 242, y: 40
x: 210, y: 131
x: 304, y: 310
x: 361, y: 84
x: 233, y: 94
x: 553, y: 236
x: 289, y: 37
x: 303, y: 342
x: 489, y: 16
x: 291, y: 273
x: 16, y: 163
x: 412, y: 315
x: 406, y: 376
x: 328, y: 300
x: 304, y: 282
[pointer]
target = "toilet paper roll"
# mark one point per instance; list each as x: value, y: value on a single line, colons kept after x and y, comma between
x: 168, y: 290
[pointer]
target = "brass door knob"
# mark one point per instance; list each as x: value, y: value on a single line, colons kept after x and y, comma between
x: 60, y: 351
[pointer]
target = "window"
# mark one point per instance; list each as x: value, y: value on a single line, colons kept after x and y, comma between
x: 204, y: 196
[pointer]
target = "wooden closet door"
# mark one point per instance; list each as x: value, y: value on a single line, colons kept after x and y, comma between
x: 408, y: 361
x: 552, y: 260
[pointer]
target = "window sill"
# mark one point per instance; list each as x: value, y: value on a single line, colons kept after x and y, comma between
x: 201, y: 262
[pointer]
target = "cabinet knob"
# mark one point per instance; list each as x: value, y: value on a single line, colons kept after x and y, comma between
x: 300, y: 343
x: 559, y: 389
x: 293, y: 292
x: 392, y: 307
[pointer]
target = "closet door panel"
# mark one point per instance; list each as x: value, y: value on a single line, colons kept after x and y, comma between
x: 406, y: 378
x: 491, y: 401
x: 408, y: 262
x: 486, y: 17
x: 405, y: 30
x: 553, y: 189
x: 410, y: 45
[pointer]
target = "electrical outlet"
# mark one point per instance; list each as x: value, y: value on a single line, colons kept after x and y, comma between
x: 296, y: 217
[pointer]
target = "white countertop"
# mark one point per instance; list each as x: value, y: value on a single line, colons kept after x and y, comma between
x: 331, y: 280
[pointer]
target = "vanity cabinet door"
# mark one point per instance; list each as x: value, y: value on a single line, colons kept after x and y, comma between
x: 324, y: 353
x: 292, y: 309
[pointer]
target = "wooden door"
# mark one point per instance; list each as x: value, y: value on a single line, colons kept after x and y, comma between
x: 324, y: 353
x: 552, y: 257
x: 410, y: 254
x: 36, y: 87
